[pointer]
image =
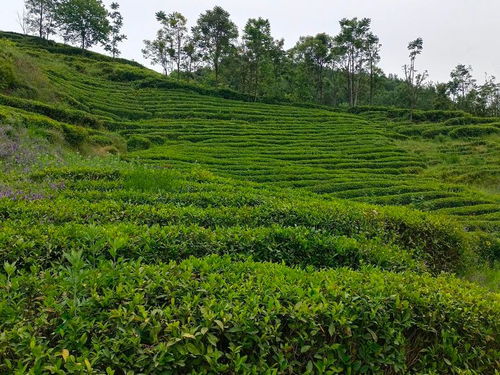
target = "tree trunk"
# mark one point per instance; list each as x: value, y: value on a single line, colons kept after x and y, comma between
x: 41, y: 20
x: 371, y: 82
x: 256, y: 83
x: 178, y: 57
x: 320, y: 84
x: 351, y: 75
x: 83, y: 36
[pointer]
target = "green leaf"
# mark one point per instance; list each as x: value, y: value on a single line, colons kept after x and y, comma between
x: 374, y: 335
x: 309, y: 366
x: 331, y: 329
x: 305, y: 348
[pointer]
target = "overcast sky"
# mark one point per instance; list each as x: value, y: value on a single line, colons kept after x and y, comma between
x: 454, y: 31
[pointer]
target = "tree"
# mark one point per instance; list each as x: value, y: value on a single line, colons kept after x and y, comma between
x: 257, y: 49
x: 22, y: 21
x: 83, y: 21
x: 158, y: 50
x: 413, y: 79
x: 39, y: 17
x: 373, y: 55
x: 462, y: 85
x: 488, y: 97
x: 316, y: 53
x: 442, y: 100
x: 352, y: 45
x: 116, y: 25
x: 192, y: 56
x: 215, y: 34
x: 170, y: 46
x: 176, y: 32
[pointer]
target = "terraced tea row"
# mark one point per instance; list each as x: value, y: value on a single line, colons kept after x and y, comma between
x: 290, y: 147
x: 331, y: 158
x: 336, y: 154
x: 216, y: 216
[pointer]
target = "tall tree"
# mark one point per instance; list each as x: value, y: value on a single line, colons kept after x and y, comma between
x: 413, y: 79
x: 177, y: 34
x: 442, y: 100
x: 488, y: 97
x: 215, y: 34
x: 257, y: 48
x: 316, y: 53
x: 170, y: 47
x: 115, y: 36
x: 373, y: 56
x: 462, y: 84
x: 39, y: 17
x: 84, y: 22
x: 351, y: 45
x: 22, y: 21
x: 192, y: 56
x: 159, y: 50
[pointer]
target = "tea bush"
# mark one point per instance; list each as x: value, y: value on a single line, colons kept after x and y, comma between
x: 474, y: 131
x: 44, y: 245
x: 7, y: 78
x: 216, y: 316
x: 138, y: 143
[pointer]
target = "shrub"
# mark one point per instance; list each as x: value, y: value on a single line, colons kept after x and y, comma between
x: 122, y: 75
x: 436, y: 131
x: 100, y: 140
x: 53, y: 47
x: 436, y: 115
x: 215, y: 316
x: 468, y: 120
x: 7, y: 78
x: 45, y: 245
x: 138, y: 143
x: 143, y: 179
x: 60, y: 114
x: 474, y: 131
x: 74, y: 135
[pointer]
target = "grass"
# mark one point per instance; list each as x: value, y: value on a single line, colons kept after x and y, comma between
x: 209, y: 234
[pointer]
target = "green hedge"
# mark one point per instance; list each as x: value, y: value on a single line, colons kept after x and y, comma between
x: 474, y: 131
x: 7, y: 77
x: 213, y: 316
x: 418, y: 115
x: 44, y: 245
x: 468, y: 120
x: 53, y: 47
x: 60, y: 114
x: 434, y: 239
x: 137, y: 142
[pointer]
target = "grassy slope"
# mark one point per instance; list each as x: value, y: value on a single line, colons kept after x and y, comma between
x: 229, y: 177
x: 369, y: 158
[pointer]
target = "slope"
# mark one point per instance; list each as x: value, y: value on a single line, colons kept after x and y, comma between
x: 163, y: 259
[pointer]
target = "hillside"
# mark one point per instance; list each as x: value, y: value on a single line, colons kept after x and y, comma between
x: 197, y: 231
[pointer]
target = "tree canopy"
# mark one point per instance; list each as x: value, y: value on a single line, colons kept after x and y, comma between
x: 83, y: 21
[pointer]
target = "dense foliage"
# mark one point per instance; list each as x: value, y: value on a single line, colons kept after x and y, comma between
x: 216, y: 316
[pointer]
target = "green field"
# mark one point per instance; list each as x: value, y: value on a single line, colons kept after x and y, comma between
x: 153, y: 226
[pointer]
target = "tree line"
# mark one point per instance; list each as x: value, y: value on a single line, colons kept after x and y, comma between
x: 337, y: 70
x: 82, y: 22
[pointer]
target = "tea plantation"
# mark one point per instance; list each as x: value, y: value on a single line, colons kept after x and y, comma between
x: 149, y: 226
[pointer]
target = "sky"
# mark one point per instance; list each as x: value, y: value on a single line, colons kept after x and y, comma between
x: 454, y: 31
